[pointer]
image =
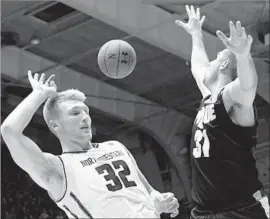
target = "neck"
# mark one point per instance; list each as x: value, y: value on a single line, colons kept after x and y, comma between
x: 222, y: 80
x: 75, y: 146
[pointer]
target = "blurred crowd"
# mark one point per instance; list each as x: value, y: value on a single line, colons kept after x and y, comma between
x: 21, y: 197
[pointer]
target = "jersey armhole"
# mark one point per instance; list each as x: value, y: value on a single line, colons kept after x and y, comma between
x: 232, y: 124
x: 65, y: 180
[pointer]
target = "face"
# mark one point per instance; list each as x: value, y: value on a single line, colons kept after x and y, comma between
x: 74, y: 122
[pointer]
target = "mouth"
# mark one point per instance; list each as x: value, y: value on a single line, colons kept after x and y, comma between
x: 86, y: 127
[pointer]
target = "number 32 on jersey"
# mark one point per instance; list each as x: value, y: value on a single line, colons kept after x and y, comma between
x: 201, y: 150
x: 117, y: 179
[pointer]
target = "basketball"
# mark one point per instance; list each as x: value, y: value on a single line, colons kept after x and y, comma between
x: 116, y: 59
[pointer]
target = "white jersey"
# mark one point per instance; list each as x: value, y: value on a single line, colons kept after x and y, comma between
x: 103, y: 182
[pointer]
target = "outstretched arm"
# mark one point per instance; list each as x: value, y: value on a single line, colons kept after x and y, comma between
x: 24, y: 151
x: 199, y: 58
x: 243, y: 89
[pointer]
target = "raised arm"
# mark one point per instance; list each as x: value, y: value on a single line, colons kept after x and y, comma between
x: 25, y: 153
x: 199, y: 58
x: 243, y: 89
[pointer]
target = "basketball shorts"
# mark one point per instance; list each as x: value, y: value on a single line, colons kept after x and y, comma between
x: 257, y: 209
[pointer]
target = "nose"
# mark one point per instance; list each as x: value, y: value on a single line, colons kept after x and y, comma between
x: 86, y: 118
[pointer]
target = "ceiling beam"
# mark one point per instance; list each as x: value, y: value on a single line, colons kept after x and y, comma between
x: 175, y: 2
x: 49, y: 37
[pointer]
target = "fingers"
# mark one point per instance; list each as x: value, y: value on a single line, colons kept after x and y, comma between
x: 233, y: 31
x: 243, y: 32
x: 180, y: 23
x: 222, y: 37
x: 36, y: 77
x: 192, y: 11
x: 198, y: 13
x: 42, y: 78
x: 188, y: 11
x: 173, y: 207
x: 30, y: 77
x: 173, y: 204
x: 175, y: 213
x: 49, y: 79
x: 167, y: 196
x: 250, y: 40
x: 238, y: 28
x: 52, y: 84
x: 202, y: 20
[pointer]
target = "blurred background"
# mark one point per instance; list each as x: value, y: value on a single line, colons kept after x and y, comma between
x: 151, y: 111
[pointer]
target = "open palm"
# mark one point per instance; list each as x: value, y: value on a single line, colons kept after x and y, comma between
x: 195, y: 22
x: 238, y: 43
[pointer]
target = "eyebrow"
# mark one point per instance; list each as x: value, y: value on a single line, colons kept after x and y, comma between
x: 79, y: 107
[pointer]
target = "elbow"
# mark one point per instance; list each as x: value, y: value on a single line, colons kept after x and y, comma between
x: 7, y: 129
x: 4, y: 129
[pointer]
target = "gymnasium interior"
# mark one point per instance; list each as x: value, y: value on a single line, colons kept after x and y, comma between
x: 151, y: 111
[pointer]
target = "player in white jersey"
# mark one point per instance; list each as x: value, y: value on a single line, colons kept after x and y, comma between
x: 88, y: 180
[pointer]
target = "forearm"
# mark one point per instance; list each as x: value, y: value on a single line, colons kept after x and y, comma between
x: 146, y: 184
x: 198, y: 55
x: 20, y: 117
x: 246, y: 72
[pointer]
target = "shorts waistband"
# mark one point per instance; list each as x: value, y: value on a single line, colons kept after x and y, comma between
x: 240, y: 204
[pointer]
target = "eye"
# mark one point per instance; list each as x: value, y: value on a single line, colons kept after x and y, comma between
x: 75, y: 113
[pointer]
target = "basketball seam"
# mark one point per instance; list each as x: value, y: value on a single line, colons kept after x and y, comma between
x: 104, y: 59
x: 129, y: 61
x: 118, y: 61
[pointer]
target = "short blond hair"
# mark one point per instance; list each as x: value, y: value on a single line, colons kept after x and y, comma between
x: 50, y: 109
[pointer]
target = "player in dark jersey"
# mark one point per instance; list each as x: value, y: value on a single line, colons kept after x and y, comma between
x: 224, y: 175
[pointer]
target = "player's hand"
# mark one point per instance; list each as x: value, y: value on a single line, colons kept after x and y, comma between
x: 195, y: 21
x: 166, y: 203
x: 238, y: 43
x: 45, y: 88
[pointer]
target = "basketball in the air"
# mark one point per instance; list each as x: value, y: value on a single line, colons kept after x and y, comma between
x: 116, y: 59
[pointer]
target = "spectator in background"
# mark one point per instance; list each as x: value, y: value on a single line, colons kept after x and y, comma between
x: 44, y: 214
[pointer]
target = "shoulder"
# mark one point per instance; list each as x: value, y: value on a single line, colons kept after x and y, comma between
x: 113, y: 143
x: 243, y: 115
x: 229, y: 101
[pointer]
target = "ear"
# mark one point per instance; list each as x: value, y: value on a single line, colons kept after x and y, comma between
x: 53, y: 125
x: 224, y: 65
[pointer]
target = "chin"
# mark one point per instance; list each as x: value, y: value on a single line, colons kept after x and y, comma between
x: 88, y: 136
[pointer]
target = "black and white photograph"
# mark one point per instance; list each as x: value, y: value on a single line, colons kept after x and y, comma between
x: 155, y: 109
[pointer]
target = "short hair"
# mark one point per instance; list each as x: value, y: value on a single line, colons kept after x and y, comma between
x: 50, y: 109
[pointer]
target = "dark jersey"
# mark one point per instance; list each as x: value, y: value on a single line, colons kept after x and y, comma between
x: 223, y: 166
